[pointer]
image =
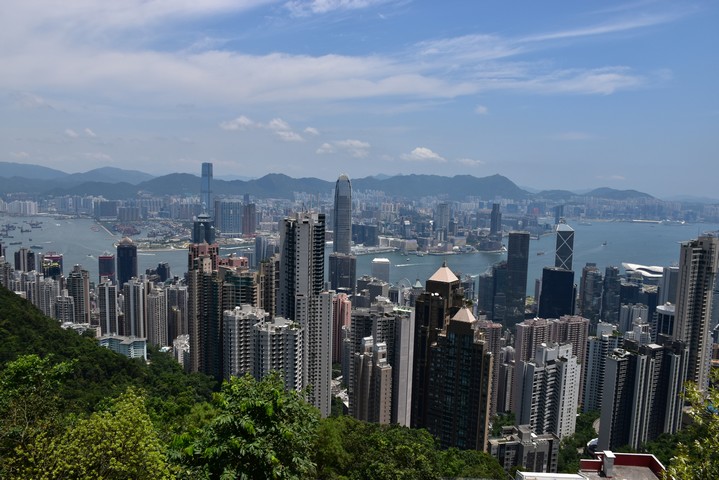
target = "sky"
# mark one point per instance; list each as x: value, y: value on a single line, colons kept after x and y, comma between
x: 551, y: 94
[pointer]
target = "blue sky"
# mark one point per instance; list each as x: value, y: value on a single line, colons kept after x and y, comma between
x: 551, y: 94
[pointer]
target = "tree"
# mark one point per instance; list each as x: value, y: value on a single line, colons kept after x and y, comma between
x: 29, y: 402
x: 696, y: 457
x: 119, y: 443
x: 261, y: 431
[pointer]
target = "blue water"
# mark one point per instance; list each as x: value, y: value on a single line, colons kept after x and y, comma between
x: 648, y: 244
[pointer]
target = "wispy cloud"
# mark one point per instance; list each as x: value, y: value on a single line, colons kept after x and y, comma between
x: 481, y: 110
x: 620, y: 25
x: 71, y: 133
x: 469, y: 162
x: 90, y: 133
x: 278, y: 126
x: 354, y: 148
x: 303, y: 8
x: 423, y: 154
x: 19, y: 154
x: 312, y: 131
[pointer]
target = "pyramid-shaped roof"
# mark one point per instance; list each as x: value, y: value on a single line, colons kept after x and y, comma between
x: 444, y: 275
x: 464, y: 315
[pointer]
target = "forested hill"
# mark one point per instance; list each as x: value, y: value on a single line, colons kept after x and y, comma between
x: 72, y: 409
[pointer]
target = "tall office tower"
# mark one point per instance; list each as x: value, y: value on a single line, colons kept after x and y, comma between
x: 598, y: 349
x: 157, y: 328
x: 380, y: 268
x: 206, y: 188
x: 492, y: 334
x: 237, y: 341
x: 443, y: 297
x: 441, y: 217
x: 126, y: 261
x: 558, y: 214
x: 302, y: 260
x: 343, y: 272
x: 495, y: 221
x: 401, y: 362
x: 78, y: 286
x: 558, y: 293
x: 106, y: 267
x: 565, y: 246
x: 228, y: 217
x: 268, y: 279
x: 277, y: 345
x: 48, y: 291
x: 204, y: 317
x: 107, y: 303
x: 547, y: 390
x: 590, y: 295
x: 460, y: 380
x: 25, y: 260
x: 517, y: 265
x: 203, y: 243
x: 611, y: 300
x: 264, y: 249
x: 697, y: 273
x: 668, y: 286
x: 249, y: 219
x: 641, y: 396
x: 135, y: 308
x: 664, y: 320
x: 373, y: 383
x: 64, y: 308
x: 163, y: 271
x: 52, y: 265
x: 342, y: 217
x: 341, y: 317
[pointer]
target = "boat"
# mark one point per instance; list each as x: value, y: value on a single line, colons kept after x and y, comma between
x: 15, y: 243
x: 604, y: 243
x: 36, y: 247
x: 540, y: 253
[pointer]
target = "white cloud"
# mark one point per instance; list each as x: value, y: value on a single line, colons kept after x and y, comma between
x: 303, y: 8
x: 481, y: 110
x: 239, y: 123
x: 353, y: 148
x: 278, y: 124
x: 90, y: 133
x: 71, y: 133
x: 20, y: 154
x: 312, y: 131
x: 620, y: 25
x: 423, y: 154
x: 289, y: 136
x: 468, y: 162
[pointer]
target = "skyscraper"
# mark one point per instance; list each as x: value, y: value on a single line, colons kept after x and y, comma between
x: 126, y: 261
x: 106, y: 266
x: 590, y: 294
x: 565, y: 246
x: 78, y: 286
x: 343, y: 272
x: 697, y: 273
x: 495, y: 221
x: 342, y: 217
x: 557, y: 297
x: 206, y: 188
x: 517, y: 265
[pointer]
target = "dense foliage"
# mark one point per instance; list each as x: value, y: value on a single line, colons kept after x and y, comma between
x: 573, y: 447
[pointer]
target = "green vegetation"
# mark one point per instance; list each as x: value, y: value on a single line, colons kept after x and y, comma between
x: 573, y: 447
x: 70, y: 409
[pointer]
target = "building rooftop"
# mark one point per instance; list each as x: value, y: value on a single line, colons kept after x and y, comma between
x: 464, y: 315
x: 444, y: 274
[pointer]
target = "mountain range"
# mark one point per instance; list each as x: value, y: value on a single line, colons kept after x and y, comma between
x: 115, y: 183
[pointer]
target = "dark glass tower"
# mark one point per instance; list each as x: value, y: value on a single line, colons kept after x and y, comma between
x: 565, y: 246
x: 343, y: 215
x: 126, y: 261
x: 206, y: 188
x: 558, y: 292
x: 495, y: 221
x: 106, y: 266
x: 517, y: 265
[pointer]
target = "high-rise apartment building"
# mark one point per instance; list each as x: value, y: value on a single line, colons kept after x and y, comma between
x: 107, y: 304
x: 78, y: 286
x: 157, y: 331
x: 599, y: 347
x: 460, y: 379
x: 341, y: 317
x: 228, y: 216
x: 126, y: 261
x: 277, y: 345
x: 698, y: 262
x: 135, y: 308
x: 373, y: 383
x: 237, y: 325
x: 342, y: 217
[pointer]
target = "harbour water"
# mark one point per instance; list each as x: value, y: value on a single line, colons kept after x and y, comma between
x: 604, y: 243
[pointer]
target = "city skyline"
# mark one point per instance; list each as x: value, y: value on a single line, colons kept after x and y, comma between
x: 578, y: 97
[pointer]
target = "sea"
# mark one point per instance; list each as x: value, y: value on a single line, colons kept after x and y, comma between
x: 604, y: 243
